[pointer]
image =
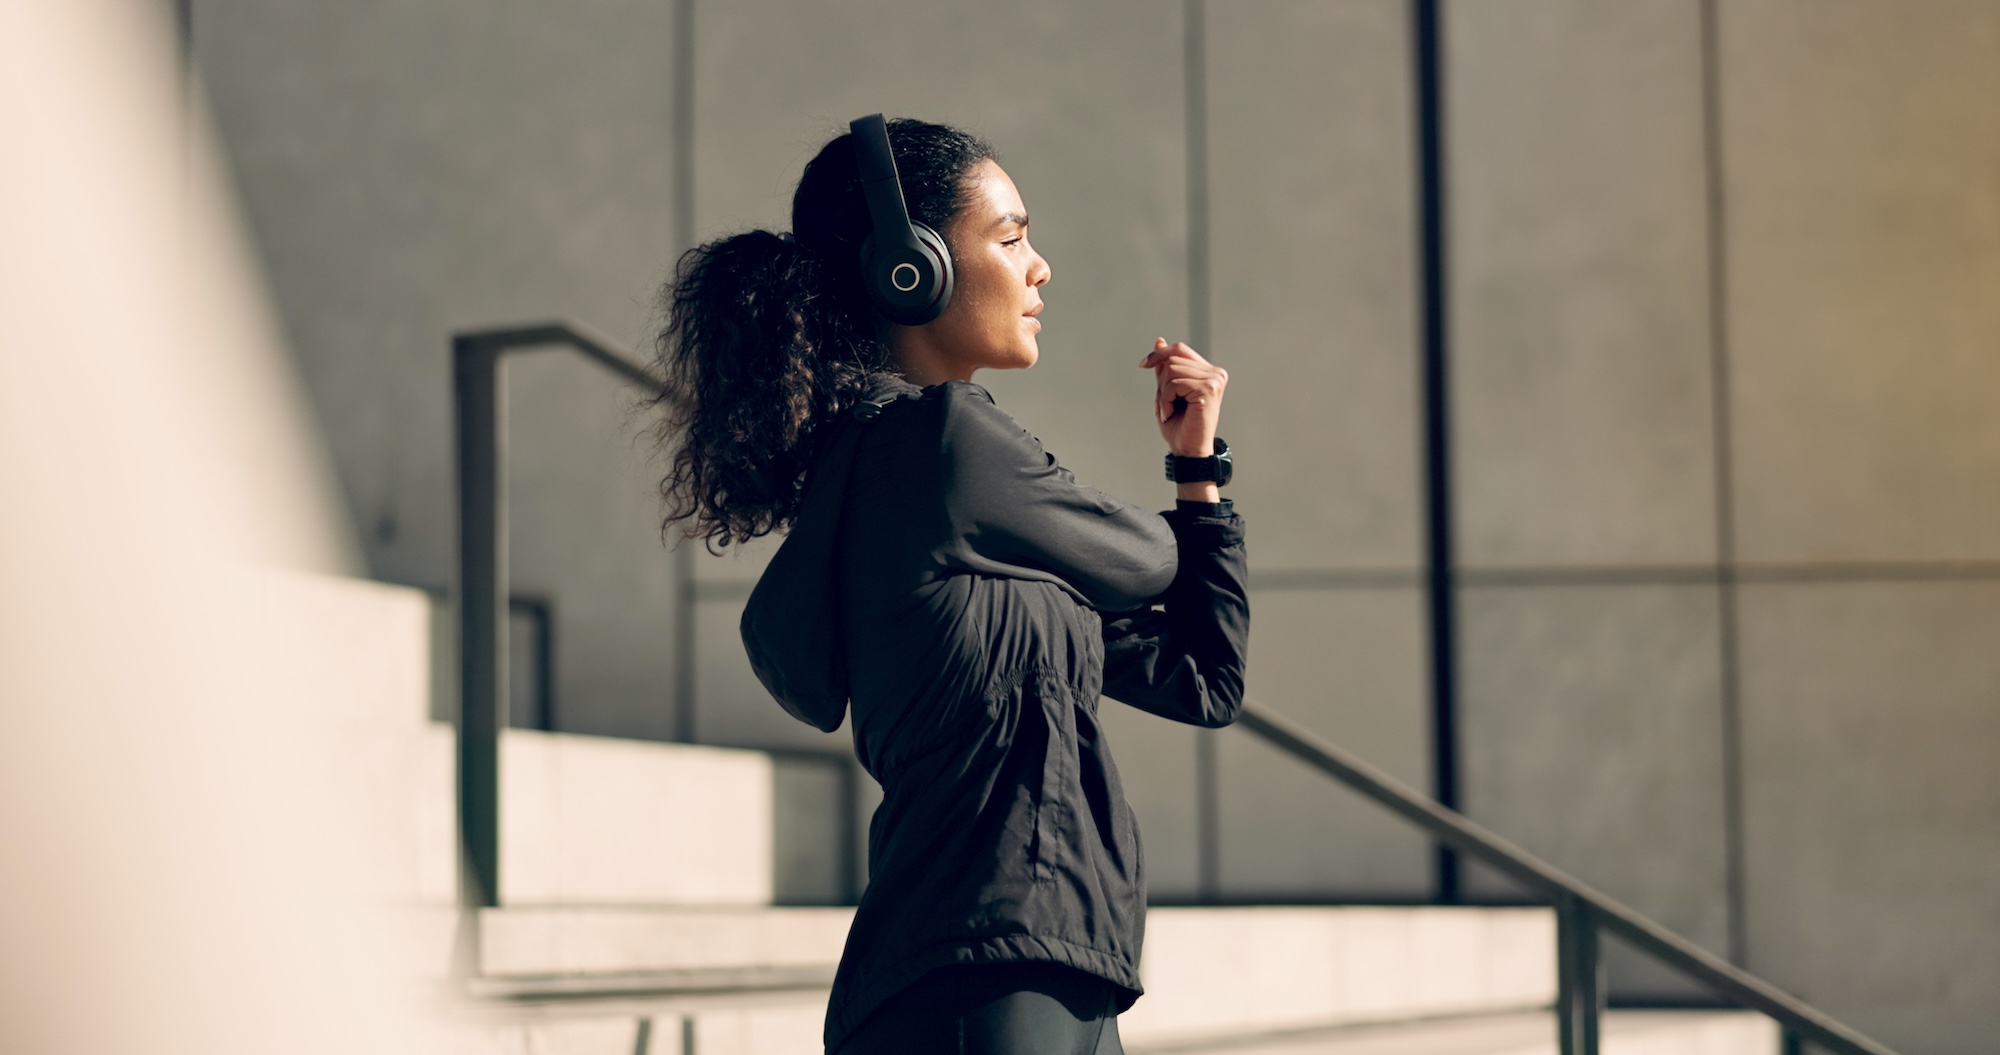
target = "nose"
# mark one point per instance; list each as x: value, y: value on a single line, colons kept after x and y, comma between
x: 1039, y: 271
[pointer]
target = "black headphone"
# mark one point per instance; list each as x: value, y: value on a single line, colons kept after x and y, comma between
x: 904, y: 264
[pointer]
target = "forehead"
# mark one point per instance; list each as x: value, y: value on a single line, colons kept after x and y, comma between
x: 990, y: 195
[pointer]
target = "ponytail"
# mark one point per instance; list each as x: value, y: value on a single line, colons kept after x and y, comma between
x: 760, y: 347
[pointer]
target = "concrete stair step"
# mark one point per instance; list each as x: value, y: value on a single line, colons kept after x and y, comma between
x: 1225, y: 972
x: 770, y: 1029
x: 583, y: 942
x: 1521, y: 1033
x: 584, y: 819
x: 594, y: 820
x: 1213, y: 975
x: 792, y: 1028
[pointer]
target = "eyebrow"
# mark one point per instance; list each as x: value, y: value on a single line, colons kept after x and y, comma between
x: 1012, y: 217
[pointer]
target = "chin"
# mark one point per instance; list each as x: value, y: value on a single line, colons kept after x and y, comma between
x: 999, y: 356
x: 1013, y: 360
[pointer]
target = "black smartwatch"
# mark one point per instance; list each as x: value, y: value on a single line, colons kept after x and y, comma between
x: 1216, y: 467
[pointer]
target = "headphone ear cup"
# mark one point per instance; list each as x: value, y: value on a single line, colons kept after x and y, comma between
x: 909, y: 288
x: 933, y: 243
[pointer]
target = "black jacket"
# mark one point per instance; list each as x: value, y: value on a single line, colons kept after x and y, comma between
x: 973, y: 601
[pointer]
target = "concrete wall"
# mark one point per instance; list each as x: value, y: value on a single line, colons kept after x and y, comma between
x: 1311, y: 223
x: 1721, y: 365
x: 1723, y: 358
x: 1862, y: 142
x: 1590, y: 661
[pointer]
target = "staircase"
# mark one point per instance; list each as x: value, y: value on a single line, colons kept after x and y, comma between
x: 638, y: 879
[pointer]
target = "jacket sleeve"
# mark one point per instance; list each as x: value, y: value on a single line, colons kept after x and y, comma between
x: 1186, y: 661
x: 1014, y: 511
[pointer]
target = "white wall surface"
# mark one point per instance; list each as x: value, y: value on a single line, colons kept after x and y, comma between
x: 182, y: 873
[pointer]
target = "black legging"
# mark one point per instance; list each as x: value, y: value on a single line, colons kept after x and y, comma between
x: 995, y: 1009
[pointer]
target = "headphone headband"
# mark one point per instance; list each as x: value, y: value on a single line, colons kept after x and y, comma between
x: 880, y: 183
x: 905, y: 265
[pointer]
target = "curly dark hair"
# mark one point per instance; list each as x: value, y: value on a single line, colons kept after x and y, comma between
x: 767, y: 336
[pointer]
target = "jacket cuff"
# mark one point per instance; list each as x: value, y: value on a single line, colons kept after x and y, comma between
x: 1205, y: 525
x: 1204, y: 509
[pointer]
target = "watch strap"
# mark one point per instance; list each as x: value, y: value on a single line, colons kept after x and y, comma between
x: 1186, y: 470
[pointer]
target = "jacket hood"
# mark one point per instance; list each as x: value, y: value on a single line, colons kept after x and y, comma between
x: 791, y: 625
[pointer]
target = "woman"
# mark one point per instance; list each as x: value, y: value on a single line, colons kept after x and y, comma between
x: 960, y: 588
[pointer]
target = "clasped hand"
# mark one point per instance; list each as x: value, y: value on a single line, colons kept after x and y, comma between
x: 1187, y: 397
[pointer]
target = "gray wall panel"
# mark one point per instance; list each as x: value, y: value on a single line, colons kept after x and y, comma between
x: 1312, y: 235
x: 1579, y: 310
x: 410, y: 170
x: 1592, y: 736
x: 585, y: 534
x: 1871, y: 718
x: 1861, y: 142
x: 1349, y: 665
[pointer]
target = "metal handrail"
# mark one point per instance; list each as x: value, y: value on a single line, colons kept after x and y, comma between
x: 584, y: 338
x: 1580, y: 908
x: 482, y: 589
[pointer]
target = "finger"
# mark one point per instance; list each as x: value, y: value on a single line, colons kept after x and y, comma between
x: 1196, y: 373
x: 1194, y: 390
x: 1184, y: 368
x: 1166, y: 347
x: 1180, y: 368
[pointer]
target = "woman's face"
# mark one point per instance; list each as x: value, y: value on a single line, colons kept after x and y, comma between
x: 997, y: 289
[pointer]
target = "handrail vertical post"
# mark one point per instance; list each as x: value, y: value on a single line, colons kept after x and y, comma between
x: 479, y: 418
x: 482, y: 622
x: 1428, y: 66
x: 1580, y: 989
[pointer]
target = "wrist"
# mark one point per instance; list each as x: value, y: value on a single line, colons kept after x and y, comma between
x: 1198, y: 491
x: 1204, y: 450
x: 1216, y: 468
